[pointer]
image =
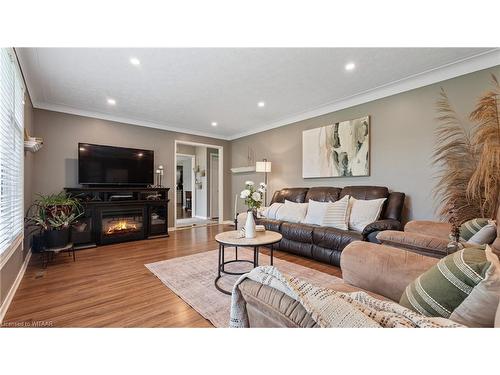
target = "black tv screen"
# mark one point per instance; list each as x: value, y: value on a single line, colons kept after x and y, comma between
x: 98, y: 164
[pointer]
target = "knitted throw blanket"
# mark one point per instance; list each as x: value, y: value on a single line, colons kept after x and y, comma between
x: 329, y: 308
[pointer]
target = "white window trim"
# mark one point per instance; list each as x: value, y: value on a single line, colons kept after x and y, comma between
x: 18, y: 241
x: 5, y: 256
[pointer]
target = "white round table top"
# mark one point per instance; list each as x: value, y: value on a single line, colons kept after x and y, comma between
x: 267, y: 237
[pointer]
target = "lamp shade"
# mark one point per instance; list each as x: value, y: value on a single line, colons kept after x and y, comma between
x: 263, y: 166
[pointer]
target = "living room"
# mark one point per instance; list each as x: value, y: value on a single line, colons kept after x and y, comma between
x: 245, y: 185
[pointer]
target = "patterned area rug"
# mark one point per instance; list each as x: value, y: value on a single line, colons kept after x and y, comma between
x: 192, y: 279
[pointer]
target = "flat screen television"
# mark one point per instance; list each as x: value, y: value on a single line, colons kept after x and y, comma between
x: 108, y: 165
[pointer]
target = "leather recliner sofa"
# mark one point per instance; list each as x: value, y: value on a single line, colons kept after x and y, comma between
x: 325, y: 244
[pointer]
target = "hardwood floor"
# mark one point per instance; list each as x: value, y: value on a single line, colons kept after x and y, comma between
x: 109, y: 286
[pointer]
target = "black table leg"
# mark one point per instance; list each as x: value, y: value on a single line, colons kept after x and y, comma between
x: 236, y: 248
x: 223, y: 257
x: 256, y: 256
x: 272, y: 255
x: 219, y: 264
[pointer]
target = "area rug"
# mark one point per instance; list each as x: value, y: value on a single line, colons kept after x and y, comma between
x: 192, y: 279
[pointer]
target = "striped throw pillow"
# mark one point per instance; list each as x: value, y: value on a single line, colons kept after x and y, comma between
x: 471, y: 227
x: 463, y: 286
x: 336, y: 214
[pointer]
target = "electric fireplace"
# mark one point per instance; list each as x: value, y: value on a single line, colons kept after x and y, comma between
x: 122, y: 224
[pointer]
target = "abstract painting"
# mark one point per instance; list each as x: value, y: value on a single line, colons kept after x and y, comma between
x: 337, y: 150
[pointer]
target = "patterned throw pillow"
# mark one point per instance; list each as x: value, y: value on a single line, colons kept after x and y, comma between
x: 471, y: 227
x: 463, y: 286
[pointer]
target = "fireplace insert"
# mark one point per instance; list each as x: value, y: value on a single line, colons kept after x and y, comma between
x: 121, y: 224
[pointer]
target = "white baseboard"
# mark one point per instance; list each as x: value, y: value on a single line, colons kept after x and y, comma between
x: 13, y: 289
x: 171, y: 229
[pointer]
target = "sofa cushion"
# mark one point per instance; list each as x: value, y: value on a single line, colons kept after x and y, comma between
x: 463, y: 287
x: 270, y: 224
x: 333, y: 238
x: 323, y: 194
x: 294, y: 247
x: 365, y: 192
x: 268, y: 307
x: 297, y: 195
x: 299, y: 232
x: 328, y: 256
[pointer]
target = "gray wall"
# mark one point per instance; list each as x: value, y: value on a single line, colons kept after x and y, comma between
x: 56, y: 162
x: 11, y: 268
x: 402, y: 139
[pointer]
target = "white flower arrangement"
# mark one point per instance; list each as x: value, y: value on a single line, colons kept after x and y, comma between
x: 253, y: 197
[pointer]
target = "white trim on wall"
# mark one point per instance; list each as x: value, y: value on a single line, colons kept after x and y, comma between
x: 467, y: 65
x: 13, y: 289
x: 124, y: 120
x: 458, y: 68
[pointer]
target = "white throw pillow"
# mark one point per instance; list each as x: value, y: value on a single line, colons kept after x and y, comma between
x: 336, y: 214
x: 486, y: 234
x: 271, y: 211
x: 316, y: 212
x: 292, y: 212
x: 364, y: 212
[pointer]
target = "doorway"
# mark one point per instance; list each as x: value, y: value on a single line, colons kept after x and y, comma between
x: 198, y: 191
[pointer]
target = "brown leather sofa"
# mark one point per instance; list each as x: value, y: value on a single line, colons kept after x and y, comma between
x: 325, y: 244
x: 381, y: 271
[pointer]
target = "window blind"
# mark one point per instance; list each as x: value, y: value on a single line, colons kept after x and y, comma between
x: 11, y: 149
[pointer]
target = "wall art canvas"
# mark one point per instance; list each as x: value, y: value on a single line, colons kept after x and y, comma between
x: 337, y: 150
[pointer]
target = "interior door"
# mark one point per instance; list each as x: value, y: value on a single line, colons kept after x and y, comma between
x: 214, y: 186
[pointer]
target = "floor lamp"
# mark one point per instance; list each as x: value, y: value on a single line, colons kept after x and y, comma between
x: 264, y: 166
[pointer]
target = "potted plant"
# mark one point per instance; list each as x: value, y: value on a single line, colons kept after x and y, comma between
x: 253, y: 199
x: 52, y: 215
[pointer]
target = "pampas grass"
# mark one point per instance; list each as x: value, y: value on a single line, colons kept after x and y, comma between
x: 468, y: 158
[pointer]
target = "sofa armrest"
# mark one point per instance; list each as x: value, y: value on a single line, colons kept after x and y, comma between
x: 381, y: 225
x: 382, y: 269
x: 429, y: 228
x: 420, y: 243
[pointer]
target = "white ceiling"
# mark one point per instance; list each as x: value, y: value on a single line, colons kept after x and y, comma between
x: 187, y: 89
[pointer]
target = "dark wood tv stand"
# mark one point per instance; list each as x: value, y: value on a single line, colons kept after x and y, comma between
x: 118, y: 214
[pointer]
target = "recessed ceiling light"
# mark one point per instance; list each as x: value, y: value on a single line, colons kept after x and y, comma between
x: 214, y: 123
x: 135, y: 61
x: 350, y: 66
x: 261, y: 104
x: 111, y: 101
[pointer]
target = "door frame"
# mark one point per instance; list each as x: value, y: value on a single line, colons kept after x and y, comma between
x: 193, y: 161
x: 221, y: 175
x: 212, y: 156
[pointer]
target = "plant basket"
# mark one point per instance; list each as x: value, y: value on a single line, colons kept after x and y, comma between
x: 56, y: 238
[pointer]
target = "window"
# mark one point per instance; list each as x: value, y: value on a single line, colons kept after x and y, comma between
x: 11, y: 150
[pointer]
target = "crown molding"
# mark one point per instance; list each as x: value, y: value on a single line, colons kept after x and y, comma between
x: 124, y: 120
x: 457, y: 68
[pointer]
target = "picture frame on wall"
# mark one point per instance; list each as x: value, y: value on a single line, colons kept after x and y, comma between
x: 341, y: 149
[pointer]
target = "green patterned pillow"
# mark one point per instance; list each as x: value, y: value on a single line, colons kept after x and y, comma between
x: 463, y: 286
x: 471, y: 227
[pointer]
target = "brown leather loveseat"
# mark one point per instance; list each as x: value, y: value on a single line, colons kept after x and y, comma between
x: 325, y: 244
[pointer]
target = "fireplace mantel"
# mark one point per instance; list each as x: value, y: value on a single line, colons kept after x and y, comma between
x: 149, y: 204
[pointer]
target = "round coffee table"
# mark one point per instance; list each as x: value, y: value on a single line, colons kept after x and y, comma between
x: 266, y: 238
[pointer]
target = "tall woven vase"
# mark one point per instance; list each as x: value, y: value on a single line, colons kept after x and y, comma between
x: 250, y: 226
